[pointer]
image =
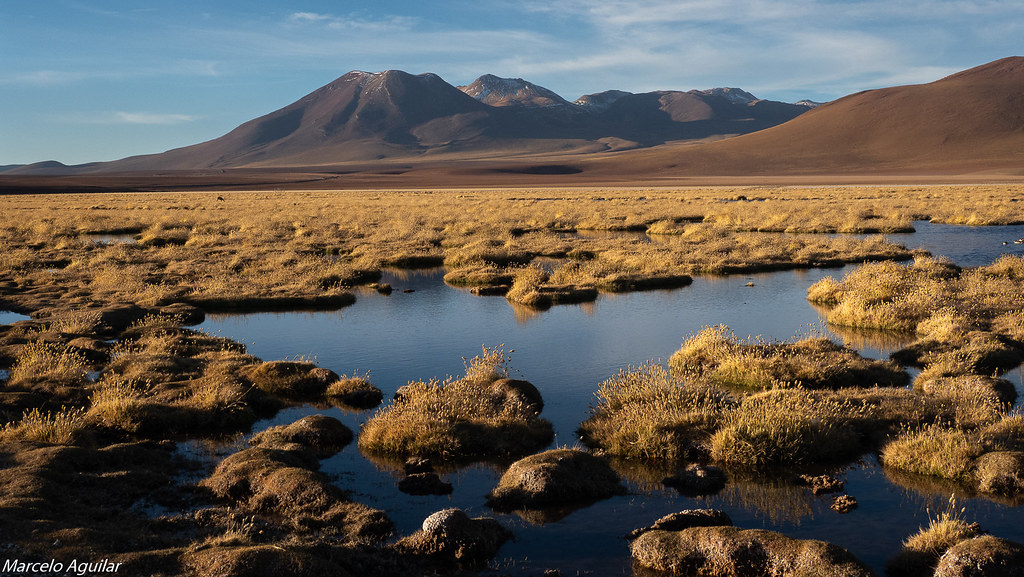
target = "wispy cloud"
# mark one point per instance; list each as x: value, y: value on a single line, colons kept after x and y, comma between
x: 121, y: 117
x: 352, y: 22
x: 124, y: 117
x: 41, y: 78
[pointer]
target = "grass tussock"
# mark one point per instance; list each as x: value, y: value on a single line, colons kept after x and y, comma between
x: 63, y: 427
x: 815, y: 363
x: 646, y: 413
x: 468, y: 418
x: 786, y: 428
x: 922, y: 550
x: 48, y: 364
x: 934, y: 450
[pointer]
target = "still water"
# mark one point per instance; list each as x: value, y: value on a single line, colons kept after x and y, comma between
x: 566, y: 351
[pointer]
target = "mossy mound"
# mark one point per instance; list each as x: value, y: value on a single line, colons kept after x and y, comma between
x: 323, y: 435
x: 264, y: 560
x: 451, y: 539
x: 552, y: 478
x: 1000, y: 473
x: 290, y: 379
x: 354, y: 392
x: 985, y: 555
x: 282, y: 485
x: 732, y: 552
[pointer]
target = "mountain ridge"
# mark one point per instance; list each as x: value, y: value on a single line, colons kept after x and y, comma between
x: 376, y: 116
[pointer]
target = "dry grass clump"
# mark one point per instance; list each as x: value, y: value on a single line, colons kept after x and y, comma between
x: 479, y: 275
x: 1007, y: 433
x: 473, y: 417
x: 932, y: 297
x: 63, y: 427
x: 48, y: 365
x: 785, y: 427
x: 530, y: 287
x: 118, y: 403
x: 921, y: 551
x: 935, y: 450
x: 646, y: 413
x: 75, y: 322
x: 815, y: 363
x: 974, y: 399
x: 990, y: 459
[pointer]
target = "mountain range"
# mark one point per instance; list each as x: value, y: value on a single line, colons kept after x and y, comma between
x: 365, y: 116
x: 392, y: 127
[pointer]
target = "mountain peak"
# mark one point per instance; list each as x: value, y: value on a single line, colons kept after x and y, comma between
x: 734, y: 95
x: 496, y: 91
x: 601, y: 100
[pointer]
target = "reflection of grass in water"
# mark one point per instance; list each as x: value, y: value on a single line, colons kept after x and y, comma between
x: 855, y: 338
x: 927, y: 490
x: 407, y: 274
x: 776, y: 499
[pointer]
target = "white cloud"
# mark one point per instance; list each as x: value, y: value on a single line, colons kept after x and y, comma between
x: 352, y: 22
x: 121, y: 117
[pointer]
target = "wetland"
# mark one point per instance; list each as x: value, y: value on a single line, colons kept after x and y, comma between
x: 156, y: 355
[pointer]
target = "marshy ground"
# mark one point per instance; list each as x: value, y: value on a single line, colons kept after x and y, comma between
x: 105, y: 379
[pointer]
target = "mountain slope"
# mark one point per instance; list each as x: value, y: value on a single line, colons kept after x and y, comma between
x: 973, y: 120
x: 363, y: 117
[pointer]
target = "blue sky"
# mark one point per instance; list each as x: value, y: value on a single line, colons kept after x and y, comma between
x: 85, y: 80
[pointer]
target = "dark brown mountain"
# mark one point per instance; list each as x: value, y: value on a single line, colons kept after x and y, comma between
x: 972, y: 121
x: 366, y: 118
x: 495, y: 91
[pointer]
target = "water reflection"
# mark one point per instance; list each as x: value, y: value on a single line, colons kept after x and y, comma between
x: 8, y: 317
x: 566, y: 351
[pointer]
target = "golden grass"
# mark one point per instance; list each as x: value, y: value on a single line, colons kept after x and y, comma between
x: 646, y: 413
x: 41, y: 362
x: 786, y: 427
x: 282, y: 249
x: 62, y: 427
x: 468, y: 418
x: 934, y: 450
x: 922, y: 550
x: 718, y: 355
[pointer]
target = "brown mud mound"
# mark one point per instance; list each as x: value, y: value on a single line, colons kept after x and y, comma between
x: 450, y: 538
x: 324, y: 435
x: 985, y: 555
x: 291, y: 379
x: 557, y: 477
x: 686, y: 520
x: 281, y: 486
x: 732, y: 552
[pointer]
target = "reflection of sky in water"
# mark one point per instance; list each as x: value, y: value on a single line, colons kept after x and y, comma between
x: 566, y: 351
x: 7, y: 317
